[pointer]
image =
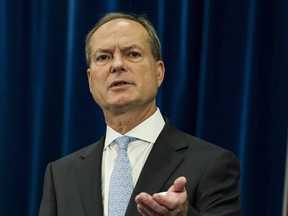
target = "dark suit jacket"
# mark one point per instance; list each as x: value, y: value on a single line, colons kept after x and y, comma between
x: 72, y: 185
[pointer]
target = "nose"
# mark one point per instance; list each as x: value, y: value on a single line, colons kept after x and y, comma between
x: 117, y: 64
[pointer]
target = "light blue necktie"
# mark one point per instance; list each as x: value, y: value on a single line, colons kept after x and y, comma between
x: 121, y: 183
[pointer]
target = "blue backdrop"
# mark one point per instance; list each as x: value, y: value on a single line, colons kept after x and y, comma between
x: 226, y: 81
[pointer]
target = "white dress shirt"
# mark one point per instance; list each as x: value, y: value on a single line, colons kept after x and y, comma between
x: 138, y: 151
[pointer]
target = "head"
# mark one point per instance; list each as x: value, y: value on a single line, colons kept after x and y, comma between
x: 153, y: 39
x: 124, y: 64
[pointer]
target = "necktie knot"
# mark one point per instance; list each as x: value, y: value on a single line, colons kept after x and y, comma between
x: 123, y: 141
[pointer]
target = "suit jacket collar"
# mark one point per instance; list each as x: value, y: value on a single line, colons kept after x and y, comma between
x: 160, y: 165
x: 88, y: 174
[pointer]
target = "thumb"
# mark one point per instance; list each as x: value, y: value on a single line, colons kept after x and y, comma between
x: 179, y: 184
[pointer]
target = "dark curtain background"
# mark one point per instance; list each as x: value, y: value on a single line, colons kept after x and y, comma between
x: 226, y: 82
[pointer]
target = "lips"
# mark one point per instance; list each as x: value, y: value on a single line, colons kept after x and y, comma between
x: 119, y: 83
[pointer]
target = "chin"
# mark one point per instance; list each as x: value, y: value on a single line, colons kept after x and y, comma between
x: 122, y: 101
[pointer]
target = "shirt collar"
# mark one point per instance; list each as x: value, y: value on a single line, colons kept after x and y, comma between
x: 147, y: 131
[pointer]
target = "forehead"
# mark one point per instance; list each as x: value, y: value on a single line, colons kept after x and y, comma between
x: 119, y: 30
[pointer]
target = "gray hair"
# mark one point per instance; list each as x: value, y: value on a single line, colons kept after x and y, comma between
x: 153, y: 39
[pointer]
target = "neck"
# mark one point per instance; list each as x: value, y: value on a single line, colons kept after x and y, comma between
x: 126, y: 121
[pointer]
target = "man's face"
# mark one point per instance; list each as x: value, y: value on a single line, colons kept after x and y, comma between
x: 123, y: 73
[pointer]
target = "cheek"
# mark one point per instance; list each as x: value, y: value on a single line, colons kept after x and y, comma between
x: 149, y: 83
x: 97, y: 77
x: 95, y: 83
x: 151, y: 77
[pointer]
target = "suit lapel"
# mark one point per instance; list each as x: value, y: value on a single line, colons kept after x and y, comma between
x: 160, y: 165
x: 88, y: 175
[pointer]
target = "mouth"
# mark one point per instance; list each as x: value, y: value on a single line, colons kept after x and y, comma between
x: 119, y: 84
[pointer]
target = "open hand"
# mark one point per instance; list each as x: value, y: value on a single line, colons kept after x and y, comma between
x: 172, y: 203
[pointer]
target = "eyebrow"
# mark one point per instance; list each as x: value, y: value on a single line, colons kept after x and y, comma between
x: 100, y: 50
x: 124, y: 49
x: 134, y: 46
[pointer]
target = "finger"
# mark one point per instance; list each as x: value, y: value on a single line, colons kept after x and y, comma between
x: 145, y: 210
x: 175, y: 197
x: 174, y: 205
x: 152, y: 210
x: 147, y: 205
x: 179, y: 184
x: 139, y: 199
x: 141, y: 210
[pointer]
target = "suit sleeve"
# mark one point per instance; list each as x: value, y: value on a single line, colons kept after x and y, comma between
x: 48, y: 203
x: 218, y: 192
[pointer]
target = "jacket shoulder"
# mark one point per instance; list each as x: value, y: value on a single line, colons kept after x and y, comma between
x: 77, y: 156
x: 178, y: 137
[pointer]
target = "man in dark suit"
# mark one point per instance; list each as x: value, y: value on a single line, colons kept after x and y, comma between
x: 173, y: 173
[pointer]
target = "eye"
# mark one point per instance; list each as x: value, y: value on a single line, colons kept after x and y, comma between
x: 102, y: 58
x: 134, y: 54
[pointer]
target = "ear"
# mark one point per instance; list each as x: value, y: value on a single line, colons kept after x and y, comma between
x: 160, y: 71
x: 89, y: 78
